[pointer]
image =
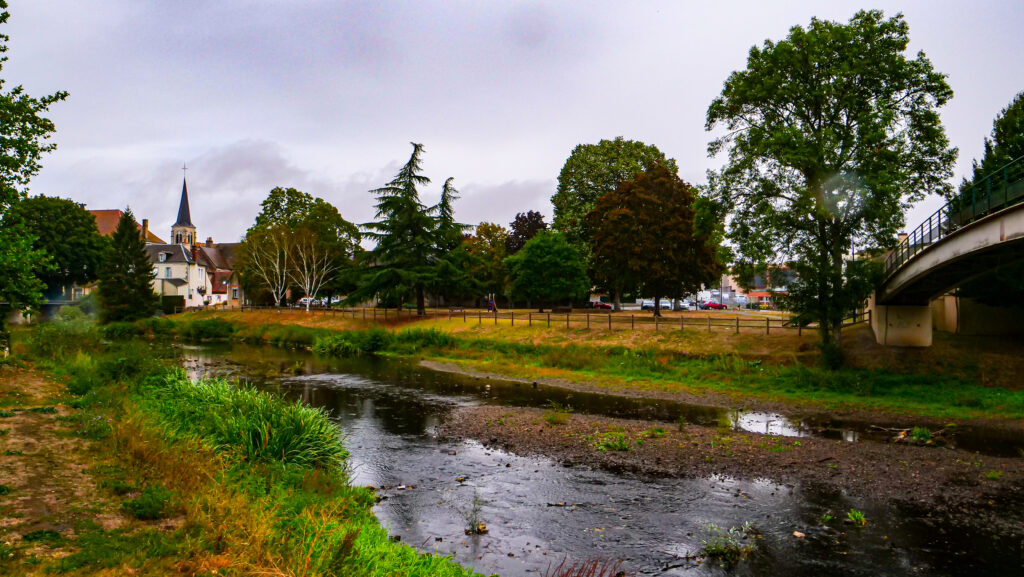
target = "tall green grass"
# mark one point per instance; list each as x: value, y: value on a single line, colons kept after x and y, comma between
x: 252, y: 424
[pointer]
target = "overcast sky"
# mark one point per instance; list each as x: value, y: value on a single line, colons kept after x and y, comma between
x: 325, y: 96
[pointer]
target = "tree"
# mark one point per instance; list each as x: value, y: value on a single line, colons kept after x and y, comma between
x: 1004, y: 146
x: 298, y: 239
x: 593, y: 170
x: 24, y: 131
x: 644, y: 234
x: 1005, y: 285
x: 548, y: 269
x: 413, y: 241
x: 67, y: 233
x: 489, y: 247
x: 522, y: 228
x: 126, y: 276
x: 265, y: 260
x: 831, y: 133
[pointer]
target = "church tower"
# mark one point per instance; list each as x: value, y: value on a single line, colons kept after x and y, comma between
x: 183, y: 231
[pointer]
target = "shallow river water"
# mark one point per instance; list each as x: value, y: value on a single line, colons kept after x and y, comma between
x: 539, y: 513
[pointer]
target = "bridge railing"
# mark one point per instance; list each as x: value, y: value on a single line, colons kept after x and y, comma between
x: 1000, y: 189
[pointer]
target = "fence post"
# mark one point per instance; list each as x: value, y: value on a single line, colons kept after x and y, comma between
x: 655, y: 323
x: 609, y: 321
x: 567, y: 320
x: 632, y: 322
x: 495, y: 317
x: 737, y: 325
x: 479, y: 317
x: 767, y: 326
x: 549, y: 320
x: 529, y: 319
x: 682, y: 319
x: 799, y: 329
x: 512, y: 317
x: 588, y: 321
x: 709, y: 324
x: 463, y: 315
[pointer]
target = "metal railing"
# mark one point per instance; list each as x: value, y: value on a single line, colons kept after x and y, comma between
x: 1001, y: 189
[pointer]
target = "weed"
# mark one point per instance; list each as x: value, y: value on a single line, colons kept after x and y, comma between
x: 857, y: 518
x: 152, y: 503
x: 42, y: 536
x: 117, y: 486
x: 207, y: 330
x: 920, y: 435
x: 825, y: 518
x: 4, y: 432
x: 728, y: 546
x: 592, y: 568
x: 994, y: 475
x: 44, y: 410
x: 654, y: 433
x: 613, y: 441
x: 557, y: 414
x: 474, y: 521
x: 5, y: 490
x: 11, y: 453
x: 105, y: 549
x: 681, y: 423
x: 6, y: 414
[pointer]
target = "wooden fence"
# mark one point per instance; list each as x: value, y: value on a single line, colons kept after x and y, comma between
x: 589, y: 320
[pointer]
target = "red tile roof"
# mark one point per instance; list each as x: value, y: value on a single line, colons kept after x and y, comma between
x: 106, y: 222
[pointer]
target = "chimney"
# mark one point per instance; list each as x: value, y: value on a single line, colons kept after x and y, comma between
x: 209, y: 242
x: 900, y: 237
x: 195, y: 253
x: 145, y: 230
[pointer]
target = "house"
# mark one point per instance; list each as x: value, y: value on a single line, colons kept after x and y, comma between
x: 202, y: 274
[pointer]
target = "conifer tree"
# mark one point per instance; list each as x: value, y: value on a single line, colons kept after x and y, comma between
x: 126, y: 291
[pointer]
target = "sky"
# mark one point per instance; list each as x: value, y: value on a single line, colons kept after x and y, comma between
x: 326, y: 95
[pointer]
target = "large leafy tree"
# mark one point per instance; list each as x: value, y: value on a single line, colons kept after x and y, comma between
x: 644, y: 235
x: 593, y: 170
x: 547, y: 270
x: 24, y: 135
x: 831, y: 134
x: 126, y: 275
x: 1005, y: 285
x: 488, y: 245
x: 300, y: 241
x: 67, y: 233
x: 523, y: 227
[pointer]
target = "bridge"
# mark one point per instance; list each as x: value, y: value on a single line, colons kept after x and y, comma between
x: 978, y: 231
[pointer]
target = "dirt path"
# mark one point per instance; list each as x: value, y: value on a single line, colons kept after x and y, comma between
x: 49, y: 495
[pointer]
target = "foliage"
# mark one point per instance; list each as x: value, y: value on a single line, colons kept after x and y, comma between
x: 489, y: 245
x: 207, y: 330
x: 523, y: 227
x: 1005, y: 285
x: 643, y: 234
x: 920, y: 435
x: 63, y: 337
x: 152, y: 503
x: 857, y: 518
x: 593, y: 170
x: 832, y: 133
x: 412, y: 239
x: 612, y: 441
x: 249, y: 423
x: 548, y: 269
x: 67, y: 233
x: 24, y: 132
x: 354, y: 343
x: 125, y: 287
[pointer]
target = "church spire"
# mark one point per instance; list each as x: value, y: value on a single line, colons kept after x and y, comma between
x: 184, y: 218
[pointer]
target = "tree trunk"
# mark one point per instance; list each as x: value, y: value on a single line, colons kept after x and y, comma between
x: 421, y: 308
x: 617, y: 298
x: 657, y: 306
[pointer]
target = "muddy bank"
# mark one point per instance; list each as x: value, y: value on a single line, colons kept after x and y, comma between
x: 936, y: 483
x: 841, y: 418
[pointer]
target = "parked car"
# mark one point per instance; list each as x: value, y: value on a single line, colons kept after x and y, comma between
x: 600, y: 305
x: 709, y: 306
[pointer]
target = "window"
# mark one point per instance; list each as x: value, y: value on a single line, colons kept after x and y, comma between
x: 202, y: 273
x: 163, y: 257
x: 167, y: 272
x: 234, y: 293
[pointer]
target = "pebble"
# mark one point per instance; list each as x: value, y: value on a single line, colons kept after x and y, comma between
x: 799, y: 535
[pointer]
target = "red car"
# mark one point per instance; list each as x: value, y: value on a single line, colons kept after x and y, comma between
x: 713, y: 306
x: 604, y: 306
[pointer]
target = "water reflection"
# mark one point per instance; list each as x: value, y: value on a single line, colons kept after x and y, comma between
x: 538, y: 512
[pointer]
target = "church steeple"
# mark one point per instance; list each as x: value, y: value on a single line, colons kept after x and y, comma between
x: 183, y: 231
x: 184, y: 218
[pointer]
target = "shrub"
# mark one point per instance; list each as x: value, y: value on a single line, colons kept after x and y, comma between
x: 152, y: 503
x: 69, y: 334
x: 256, y: 425
x: 83, y: 374
x: 421, y: 338
x: 920, y: 435
x: 120, y: 331
x: 857, y: 518
x: 207, y: 329
x: 614, y: 441
x: 728, y: 546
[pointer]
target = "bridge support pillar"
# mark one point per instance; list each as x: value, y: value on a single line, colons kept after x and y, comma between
x: 901, y: 325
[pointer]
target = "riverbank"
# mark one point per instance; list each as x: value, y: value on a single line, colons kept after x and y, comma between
x: 937, y: 385
x: 936, y: 483
x: 114, y: 463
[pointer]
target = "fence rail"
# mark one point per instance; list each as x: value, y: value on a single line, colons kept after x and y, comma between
x: 1001, y: 189
x: 588, y: 320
